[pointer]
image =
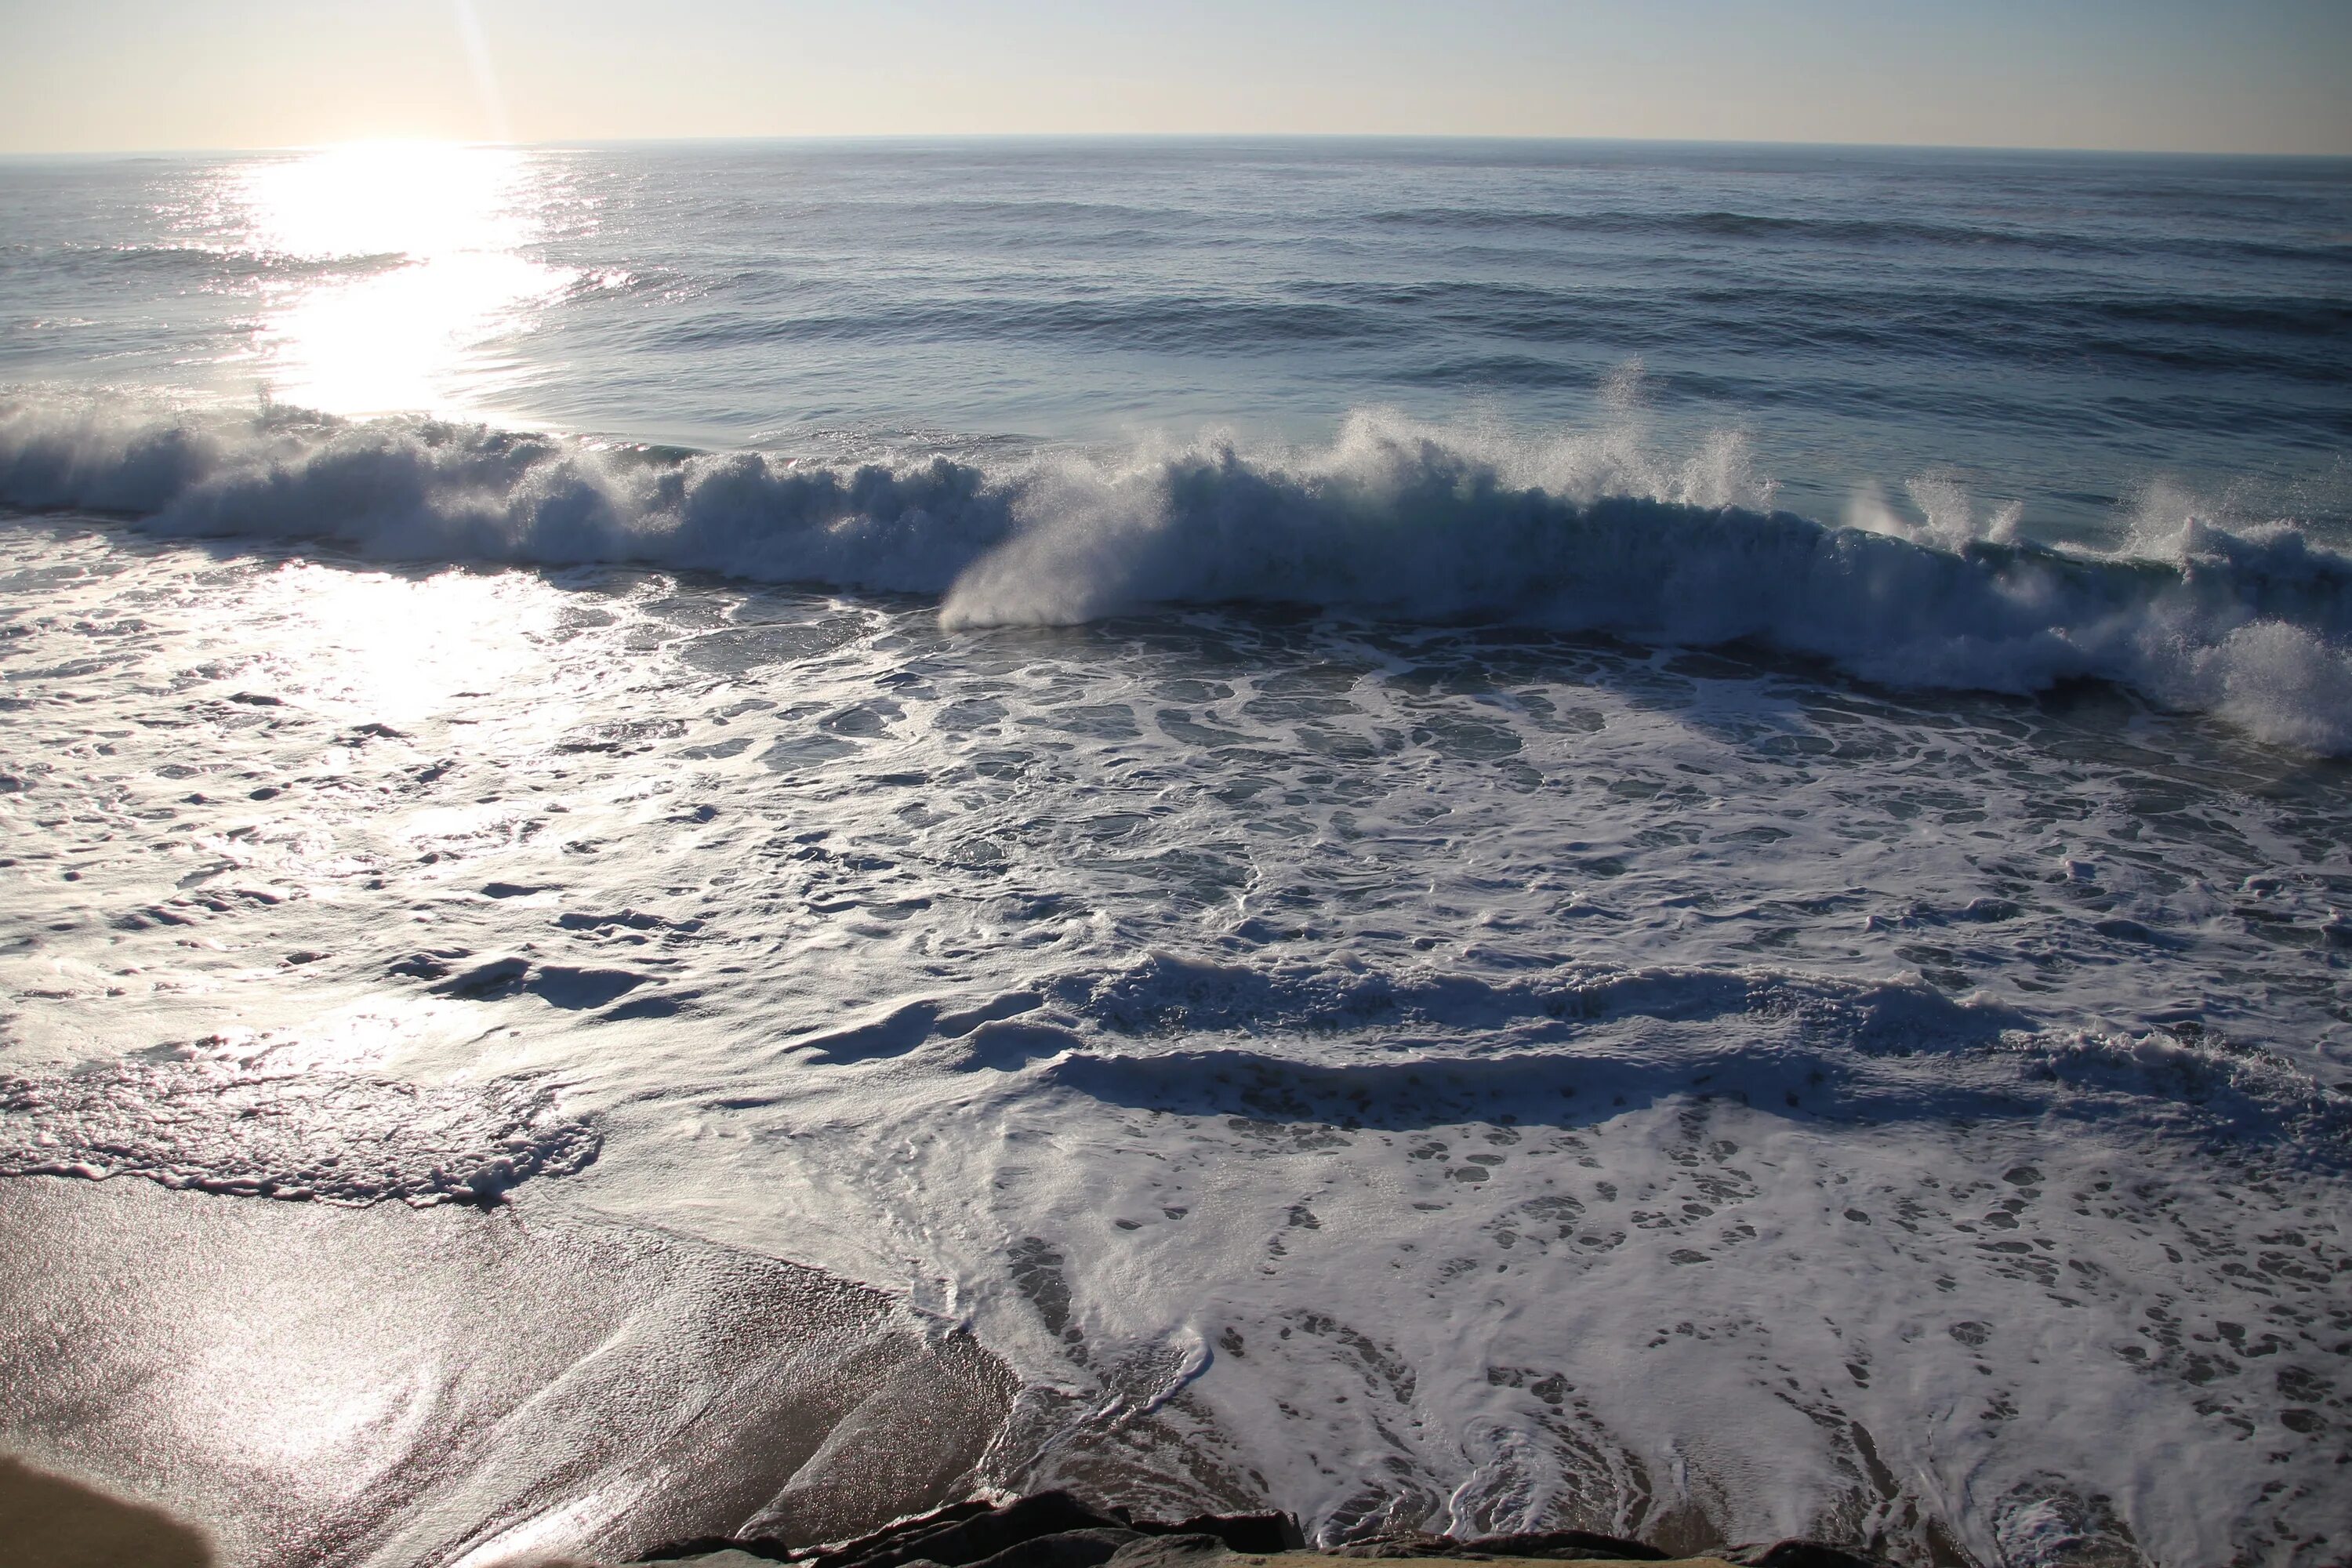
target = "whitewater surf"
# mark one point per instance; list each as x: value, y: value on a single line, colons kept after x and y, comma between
x: 1375, y: 909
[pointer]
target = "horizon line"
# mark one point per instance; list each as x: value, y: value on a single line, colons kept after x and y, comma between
x: 917, y: 137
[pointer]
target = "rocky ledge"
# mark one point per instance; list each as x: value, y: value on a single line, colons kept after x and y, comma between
x: 1055, y: 1530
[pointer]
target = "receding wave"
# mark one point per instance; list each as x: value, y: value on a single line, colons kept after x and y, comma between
x: 1586, y: 533
x: 336, y: 1137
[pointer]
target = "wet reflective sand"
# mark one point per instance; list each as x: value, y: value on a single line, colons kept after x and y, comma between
x: 392, y: 1385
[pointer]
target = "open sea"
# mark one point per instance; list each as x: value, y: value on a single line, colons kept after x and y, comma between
x: 1482, y: 835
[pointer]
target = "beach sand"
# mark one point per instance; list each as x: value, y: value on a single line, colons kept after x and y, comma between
x: 313, y: 1385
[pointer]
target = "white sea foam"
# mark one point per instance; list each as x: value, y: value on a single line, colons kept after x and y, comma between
x: 1594, y: 531
x: 338, y: 1137
x: 1399, y: 1073
x: 1391, y: 1061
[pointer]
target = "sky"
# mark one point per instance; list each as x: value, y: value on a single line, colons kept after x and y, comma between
x: 2262, y: 76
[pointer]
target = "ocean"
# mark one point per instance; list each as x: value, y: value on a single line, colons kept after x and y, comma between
x: 1479, y: 835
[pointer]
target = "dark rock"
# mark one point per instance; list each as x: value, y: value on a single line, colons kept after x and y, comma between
x: 951, y: 1514
x: 1181, y: 1551
x: 973, y: 1537
x: 1070, y: 1549
x: 1797, y: 1554
x: 1258, y: 1533
x: 1565, y: 1546
x: 1553, y: 1545
x: 843, y: 1551
x: 1400, y: 1543
x: 710, y: 1545
x: 1050, y: 1530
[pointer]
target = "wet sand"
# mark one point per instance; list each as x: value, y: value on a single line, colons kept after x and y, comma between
x: 387, y: 1386
x: 52, y: 1521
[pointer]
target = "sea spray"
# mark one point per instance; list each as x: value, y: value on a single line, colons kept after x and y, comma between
x: 1391, y: 520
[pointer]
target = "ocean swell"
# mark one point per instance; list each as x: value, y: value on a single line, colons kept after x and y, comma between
x: 1590, y: 533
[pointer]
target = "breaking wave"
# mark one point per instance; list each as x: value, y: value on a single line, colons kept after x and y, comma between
x: 1590, y: 532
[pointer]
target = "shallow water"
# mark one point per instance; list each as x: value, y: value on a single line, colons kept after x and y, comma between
x: 1492, y: 968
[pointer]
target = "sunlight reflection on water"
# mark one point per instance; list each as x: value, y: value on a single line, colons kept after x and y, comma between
x: 396, y: 647
x: 419, y: 268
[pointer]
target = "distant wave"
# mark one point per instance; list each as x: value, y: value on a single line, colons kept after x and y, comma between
x: 2294, y: 338
x: 1154, y: 322
x: 1850, y: 232
x: 1588, y: 532
x: 209, y: 262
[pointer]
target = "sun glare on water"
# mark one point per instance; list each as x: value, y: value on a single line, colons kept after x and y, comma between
x: 395, y: 270
x: 403, y: 647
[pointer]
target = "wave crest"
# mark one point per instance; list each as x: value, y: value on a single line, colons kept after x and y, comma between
x: 1590, y: 533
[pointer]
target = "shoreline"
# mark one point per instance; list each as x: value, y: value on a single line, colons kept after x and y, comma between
x: 58, y: 1523
x: 387, y: 1386
x: 232, y: 1383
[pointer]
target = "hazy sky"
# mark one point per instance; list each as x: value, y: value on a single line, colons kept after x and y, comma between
x: 2258, y: 76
